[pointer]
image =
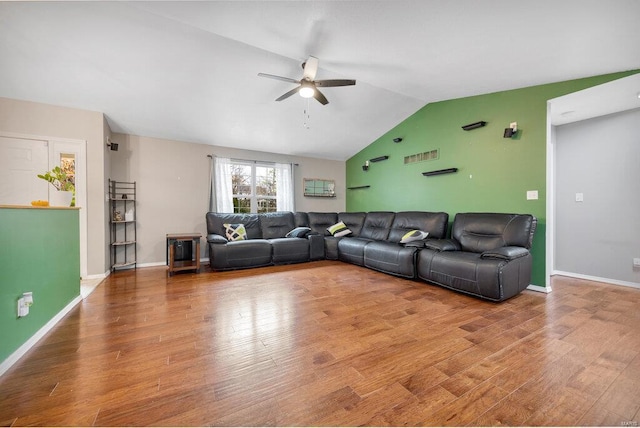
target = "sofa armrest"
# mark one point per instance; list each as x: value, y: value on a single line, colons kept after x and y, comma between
x: 505, y: 253
x: 442, y: 245
x: 417, y: 244
x: 216, y: 239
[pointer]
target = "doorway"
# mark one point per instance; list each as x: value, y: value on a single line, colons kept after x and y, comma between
x: 591, y: 105
x: 22, y: 158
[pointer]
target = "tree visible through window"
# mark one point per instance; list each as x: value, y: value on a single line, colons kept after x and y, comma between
x: 253, y: 187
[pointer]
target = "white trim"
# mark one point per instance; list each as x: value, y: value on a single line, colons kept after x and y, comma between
x: 151, y: 264
x: 597, y: 279
x: 550, y: 202
x: 26, y: 346
x: 539, y: 288
x: 98, y: 275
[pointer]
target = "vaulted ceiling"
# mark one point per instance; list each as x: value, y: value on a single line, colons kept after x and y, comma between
x: 187, y: 71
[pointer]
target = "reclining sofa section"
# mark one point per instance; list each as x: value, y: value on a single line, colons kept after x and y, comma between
x: 487, y: 255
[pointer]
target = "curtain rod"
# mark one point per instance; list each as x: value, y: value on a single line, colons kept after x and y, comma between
x: 253, y: 160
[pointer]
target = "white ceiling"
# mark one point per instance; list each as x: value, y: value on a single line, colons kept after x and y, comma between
x: 188, y: 70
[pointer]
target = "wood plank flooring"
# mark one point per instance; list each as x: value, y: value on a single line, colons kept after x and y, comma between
x: 329, y: 344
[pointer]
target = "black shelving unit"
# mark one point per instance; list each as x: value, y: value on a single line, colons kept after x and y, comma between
x: 122, y: 198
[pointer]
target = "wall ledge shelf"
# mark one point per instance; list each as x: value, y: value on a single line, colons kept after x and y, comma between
x: 440, y: 172
x: 358, y: 187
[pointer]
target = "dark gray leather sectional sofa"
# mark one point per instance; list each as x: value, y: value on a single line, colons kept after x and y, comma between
x: 486, y: 256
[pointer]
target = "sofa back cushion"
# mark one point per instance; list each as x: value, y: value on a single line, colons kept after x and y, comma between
x: 318, y: 222
x: 276, y: 225
x: 301, y: 219
x: 479, y: 232
x: 216, y: 221
x: 377, y: 225
x: 353, y: 221
x: 435, y: 224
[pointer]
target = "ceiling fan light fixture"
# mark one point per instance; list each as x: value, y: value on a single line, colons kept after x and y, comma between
x: 306, y: 92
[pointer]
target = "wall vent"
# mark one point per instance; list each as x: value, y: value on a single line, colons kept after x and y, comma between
x: 421, y: 157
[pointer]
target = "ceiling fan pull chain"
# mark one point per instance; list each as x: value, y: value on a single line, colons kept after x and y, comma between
x: 306, y: 117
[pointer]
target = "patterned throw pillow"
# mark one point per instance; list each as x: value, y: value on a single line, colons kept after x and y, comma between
x: 338, y: 229
x: 235, y: 232
x: 413, y: 235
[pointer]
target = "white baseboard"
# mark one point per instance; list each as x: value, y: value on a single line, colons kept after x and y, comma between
x: 18, y: 353
x: 596, y: 279
x: 539, y: 288
x: 151, y: 264
x: 98, y: 275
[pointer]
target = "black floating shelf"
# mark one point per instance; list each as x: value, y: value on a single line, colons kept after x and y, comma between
x: 379, y: 158
x: 440, y: 172
x: 358, y: 187
x: 475, y: 125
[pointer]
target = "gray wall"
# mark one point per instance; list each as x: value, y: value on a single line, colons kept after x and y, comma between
x: 599, y: 158
x: 173, y: 183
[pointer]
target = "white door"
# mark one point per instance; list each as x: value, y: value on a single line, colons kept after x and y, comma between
x: 21, y: 160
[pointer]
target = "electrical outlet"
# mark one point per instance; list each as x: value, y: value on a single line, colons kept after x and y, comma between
x: 579, y: 197
x: 532, y: 195
x: 636, y: 262
x: 23, y: 308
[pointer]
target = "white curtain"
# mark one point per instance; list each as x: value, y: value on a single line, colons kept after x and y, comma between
x: 284, y: 187
x: 222, y: 185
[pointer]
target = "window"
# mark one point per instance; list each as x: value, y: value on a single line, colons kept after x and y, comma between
x: 253, y: 187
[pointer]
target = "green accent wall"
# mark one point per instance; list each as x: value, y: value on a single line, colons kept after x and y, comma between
x: 494, y: 173
x: 40, y: 252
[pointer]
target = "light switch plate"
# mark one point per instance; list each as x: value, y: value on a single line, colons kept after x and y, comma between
x: 532, y: 195
x: 579, y: 197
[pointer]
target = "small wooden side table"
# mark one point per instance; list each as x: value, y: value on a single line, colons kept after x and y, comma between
x: 175, y: 266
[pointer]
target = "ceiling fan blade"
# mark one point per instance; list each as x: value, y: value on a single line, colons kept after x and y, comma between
x: 284, y: 79
x: 321, y: 98
x: 335, y: 82
x: 288, y: 94
x: 310, y: 68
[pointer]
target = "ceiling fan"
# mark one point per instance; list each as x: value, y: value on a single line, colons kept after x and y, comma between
x: 308, y: 87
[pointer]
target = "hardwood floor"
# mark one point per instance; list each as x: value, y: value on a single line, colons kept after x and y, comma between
x: 328, y: 343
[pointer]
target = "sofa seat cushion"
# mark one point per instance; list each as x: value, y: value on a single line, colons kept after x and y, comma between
x: 351, y: 250
x: 391, y: 258
x: 289, y: 250
x: 240, y: 254
x: 490, y: 278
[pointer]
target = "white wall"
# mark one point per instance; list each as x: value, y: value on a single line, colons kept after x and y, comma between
x: 173, y: 183
x: 600, y: 236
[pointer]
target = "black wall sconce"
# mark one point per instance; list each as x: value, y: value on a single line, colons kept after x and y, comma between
x: 397, y: 140
x: 113, y: 146
x: 511, y: 130
x: 475, y: 125
x: 365, y: 167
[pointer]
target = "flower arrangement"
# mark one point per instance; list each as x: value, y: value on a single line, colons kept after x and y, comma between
x: 59, y: 179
